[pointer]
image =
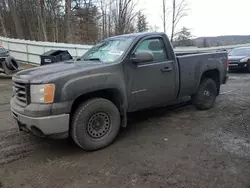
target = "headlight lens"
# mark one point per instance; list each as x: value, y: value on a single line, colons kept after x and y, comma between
x: 42, y: 93
x: 244, y: 60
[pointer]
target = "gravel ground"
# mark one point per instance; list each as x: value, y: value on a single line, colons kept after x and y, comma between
x: 160, y: 148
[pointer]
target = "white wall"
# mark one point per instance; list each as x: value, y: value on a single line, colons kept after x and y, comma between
x: 30, y: 51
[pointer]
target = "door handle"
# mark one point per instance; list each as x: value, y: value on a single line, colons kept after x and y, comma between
x: 166, y: 69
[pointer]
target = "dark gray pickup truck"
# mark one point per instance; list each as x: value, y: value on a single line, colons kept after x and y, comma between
x: 88, y: 99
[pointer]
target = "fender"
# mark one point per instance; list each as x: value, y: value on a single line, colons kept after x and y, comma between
x: 213, y: 63
x: 78, y: 86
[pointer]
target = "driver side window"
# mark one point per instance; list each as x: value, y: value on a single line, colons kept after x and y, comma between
x: 155, y: 46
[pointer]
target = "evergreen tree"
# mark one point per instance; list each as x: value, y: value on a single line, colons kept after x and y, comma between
x: 184, y: 38
x: 142, y: 24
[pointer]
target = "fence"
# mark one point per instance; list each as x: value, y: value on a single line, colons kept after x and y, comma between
x: 30, y: 51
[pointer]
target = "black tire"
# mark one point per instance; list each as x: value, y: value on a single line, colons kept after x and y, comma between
x: 85, y: 124
x: 11, y: 63
x: 205, y: 98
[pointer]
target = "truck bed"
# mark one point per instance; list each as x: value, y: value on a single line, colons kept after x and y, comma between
x: 186, y: 53
x: 191, y: 65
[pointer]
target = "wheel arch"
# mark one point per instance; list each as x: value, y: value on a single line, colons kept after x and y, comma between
x: 112, y: 94
x: 214, y: 74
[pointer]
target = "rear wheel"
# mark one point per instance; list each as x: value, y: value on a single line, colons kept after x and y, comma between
x: 205, y: 97
x: 95, y: 124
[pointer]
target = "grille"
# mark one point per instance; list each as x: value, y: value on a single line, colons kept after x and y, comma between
x: 21, y: 92
x: 233, y: 62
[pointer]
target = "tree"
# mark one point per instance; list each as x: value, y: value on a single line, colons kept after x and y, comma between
x: 153, y: 28
x: 164, y: 11
x: 15, y: 16
x: 183, y: 38
x: 41, y: 18
x: 205, y: 43
x: 68, y: 20
x: 142, y: 24
x: 179, y: 10
x: 125, y: 15
x: 73, y: 21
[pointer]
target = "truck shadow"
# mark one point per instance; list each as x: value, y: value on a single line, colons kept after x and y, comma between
x: 136, y: 120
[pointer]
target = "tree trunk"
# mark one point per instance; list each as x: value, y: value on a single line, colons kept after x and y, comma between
x: 68, y: 20
x: 3, y: 26
x: 42, y: 20
x: 13, y: 10
x: 164, y: 15
x: 173, y: 21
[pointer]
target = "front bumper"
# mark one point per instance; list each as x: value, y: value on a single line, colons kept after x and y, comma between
x: 234, y: 66
x: 41, y: 121
x: 43, y: 126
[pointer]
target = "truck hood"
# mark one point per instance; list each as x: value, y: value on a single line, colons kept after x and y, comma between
x: 42, y: 73
x: 236, y: 58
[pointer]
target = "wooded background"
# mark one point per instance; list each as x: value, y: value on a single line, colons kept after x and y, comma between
x: 90, y: 21
x: 70, y: 21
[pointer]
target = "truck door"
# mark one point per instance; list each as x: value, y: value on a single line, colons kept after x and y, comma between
x: 152, y: 83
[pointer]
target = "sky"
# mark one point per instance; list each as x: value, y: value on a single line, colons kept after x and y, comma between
x: 206, y: 17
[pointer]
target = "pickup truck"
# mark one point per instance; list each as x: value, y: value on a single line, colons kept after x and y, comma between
x: 87, y: 99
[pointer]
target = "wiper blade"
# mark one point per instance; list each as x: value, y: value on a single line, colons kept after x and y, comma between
x: 92, y: 59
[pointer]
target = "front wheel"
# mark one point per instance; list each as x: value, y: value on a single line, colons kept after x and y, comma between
x: 205, y: 98
x: 95, y: 124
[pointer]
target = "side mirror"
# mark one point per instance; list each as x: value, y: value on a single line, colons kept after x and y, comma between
x: 142, y: 57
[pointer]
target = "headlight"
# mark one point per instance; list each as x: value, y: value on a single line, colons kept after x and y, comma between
x: 244, y: 60
x: 42, y: 93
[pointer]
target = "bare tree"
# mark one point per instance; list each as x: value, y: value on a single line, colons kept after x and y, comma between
x: 2, y: 21
x: 179, y: 10
x: 2, y: 24
x: 54, y: 20
x: 15, y: 17
x: 41, y: 19
x: 125, y: 15
x: 164, y: 11
x: 103, y: 7
x: 68, y: 20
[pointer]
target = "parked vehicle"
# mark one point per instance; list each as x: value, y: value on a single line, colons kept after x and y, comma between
x: 88, y: 98
x: 3, y: 54
x: 239, y: 59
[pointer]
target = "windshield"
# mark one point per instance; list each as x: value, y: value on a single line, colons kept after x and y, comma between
x: 109, y: 50
x: 240, y: 52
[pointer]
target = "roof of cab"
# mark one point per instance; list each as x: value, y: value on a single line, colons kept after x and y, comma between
x: 144, y: 34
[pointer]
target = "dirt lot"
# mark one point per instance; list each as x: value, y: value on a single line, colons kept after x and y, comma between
x: 161, y: 148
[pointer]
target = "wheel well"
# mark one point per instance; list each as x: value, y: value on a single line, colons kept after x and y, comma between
x: 214, y: 75
x: 110, y: 94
